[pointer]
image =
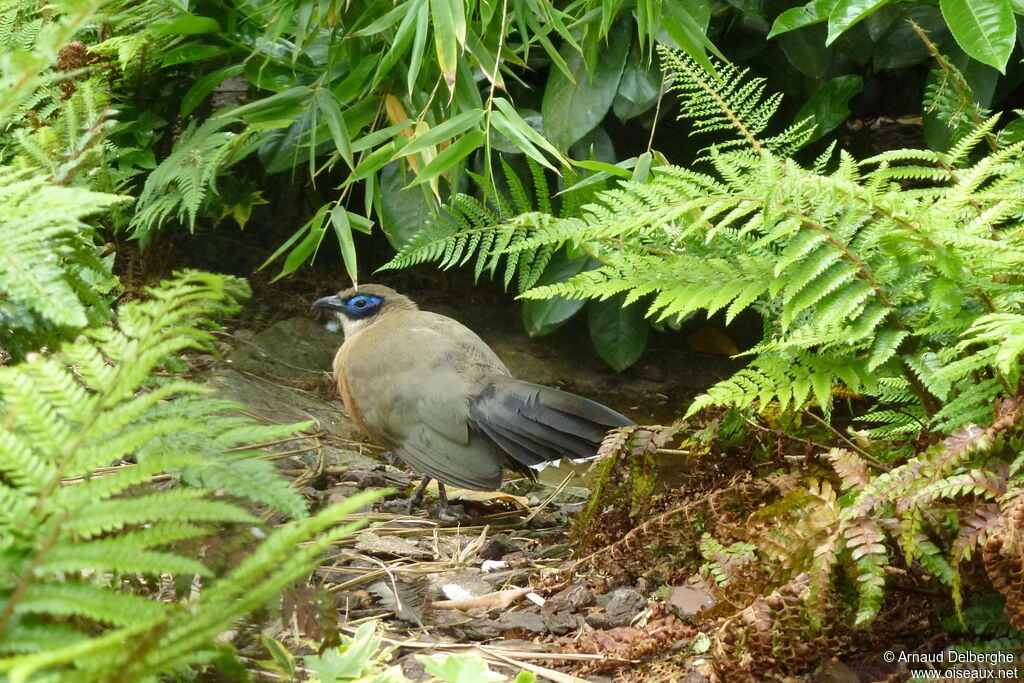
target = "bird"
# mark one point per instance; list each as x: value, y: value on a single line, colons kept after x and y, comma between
x: 430, y: 390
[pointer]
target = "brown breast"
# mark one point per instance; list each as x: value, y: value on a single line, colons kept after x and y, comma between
x: 350, y: 404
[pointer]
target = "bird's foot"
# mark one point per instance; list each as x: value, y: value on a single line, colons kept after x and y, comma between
x: 445, y: 512
x: 390, y: 458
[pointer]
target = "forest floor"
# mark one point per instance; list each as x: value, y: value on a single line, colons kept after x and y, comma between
x: 448, y: 587
x: 504, y: 583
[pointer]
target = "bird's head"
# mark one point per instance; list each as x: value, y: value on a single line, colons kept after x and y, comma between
x: 358, y: 307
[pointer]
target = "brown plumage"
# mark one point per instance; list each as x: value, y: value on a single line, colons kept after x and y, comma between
x: 428, y: 388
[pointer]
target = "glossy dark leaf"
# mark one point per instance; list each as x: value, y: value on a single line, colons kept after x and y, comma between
x: 638, y: 86
x: 814, y: 12
x: 899, y: 46
x: 189, y: 25
x: 544, y: 316
x: 806, y: 51
x: 571, y: 109
x: 619, y: 333
x: 847, y: 13
x: 829, y: 105
x: 403, y: 212
x: 985, y: 29
x: 205, y: 85
x: 184, y: 54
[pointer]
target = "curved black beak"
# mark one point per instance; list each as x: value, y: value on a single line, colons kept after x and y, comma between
x: 331, y: 303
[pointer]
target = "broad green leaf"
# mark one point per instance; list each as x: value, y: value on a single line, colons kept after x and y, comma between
x: 813, y: 12
x: 445, y: 131
x: 347, y: 662
x: 846, y: 13
x: 596, y: 144
x: 572, y: 107
x: 638, y: 86
x: 544, y: 316
x: 460, y: 669
x: 806, y: 51
x: 829, y: 105
x: 189, y: 25
x: 453, y: 154
x: 643, y: 168
x: 602, y: 172
x: 330, y: 109
x: 619, y: 333
x: 283, y: 660
x: 343, y: 229
x: 193, y: 53
x: 403, y: 212
x: 378, y: 136
x: 284, y: 149
x: 899, y: 46
x: 205, y: 85
x: 267, y: 74
x: 985, y: 29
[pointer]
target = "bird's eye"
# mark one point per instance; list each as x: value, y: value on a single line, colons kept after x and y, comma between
x: 360, y: 303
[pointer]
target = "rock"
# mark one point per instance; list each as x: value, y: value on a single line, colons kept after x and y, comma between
x: 371, y: 543
x: 520, y: 558
x: 528, y: 621
x: 497, y: 547
x: 562, y: 622
x: 482, y: 629
x: 337, y: 494
x: 469, y: 581
x: 597, y: 621
x: 570, y: 599
x: 622, y: 604
x: 686, y: 601
x: 296, y: 349
x: 834, y: 671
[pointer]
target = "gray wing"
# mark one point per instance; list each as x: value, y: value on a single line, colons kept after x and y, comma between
x: 533, y: 423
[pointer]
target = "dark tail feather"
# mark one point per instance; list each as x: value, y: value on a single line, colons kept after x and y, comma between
x: 534, y: 423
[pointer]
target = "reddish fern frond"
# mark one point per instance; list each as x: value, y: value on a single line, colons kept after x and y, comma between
x: 614, y: 441
x: 1003, y: 555
x: 975, y: 529
x: 850, y: 467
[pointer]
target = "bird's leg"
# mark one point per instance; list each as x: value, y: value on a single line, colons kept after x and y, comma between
x: 444, y: 510
x: 417, y: 496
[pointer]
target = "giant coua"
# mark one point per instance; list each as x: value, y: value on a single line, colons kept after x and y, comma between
x: 432, y: 391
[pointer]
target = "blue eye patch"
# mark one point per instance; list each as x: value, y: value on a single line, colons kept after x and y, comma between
x: 362, y: 305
